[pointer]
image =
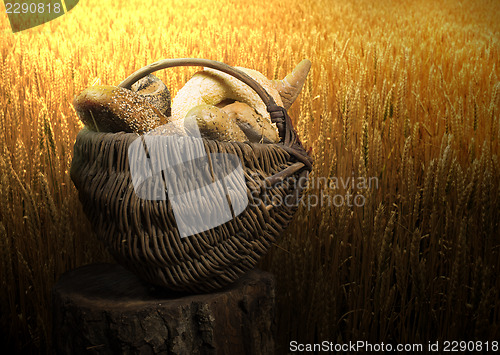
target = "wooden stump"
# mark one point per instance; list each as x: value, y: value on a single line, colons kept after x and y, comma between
x: 105, y: 309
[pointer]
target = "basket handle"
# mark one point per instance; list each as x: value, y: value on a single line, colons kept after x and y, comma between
x: 169, y: 63
x: 278, y: 114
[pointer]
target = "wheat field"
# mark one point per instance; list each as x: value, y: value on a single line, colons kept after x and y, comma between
x: 404, y: 92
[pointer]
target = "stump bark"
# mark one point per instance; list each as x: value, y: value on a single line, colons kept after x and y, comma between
x: 105, y: 309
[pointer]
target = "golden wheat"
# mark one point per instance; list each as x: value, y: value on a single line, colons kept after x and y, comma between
x: 407, y: 92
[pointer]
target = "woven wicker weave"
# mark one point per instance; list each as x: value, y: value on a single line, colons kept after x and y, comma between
x: 142, y: 234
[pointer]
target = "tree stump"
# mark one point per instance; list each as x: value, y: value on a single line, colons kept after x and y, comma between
x: 105, y: 309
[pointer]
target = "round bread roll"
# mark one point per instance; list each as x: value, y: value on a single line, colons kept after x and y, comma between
x: 212, y: 123
x: 255, y: 128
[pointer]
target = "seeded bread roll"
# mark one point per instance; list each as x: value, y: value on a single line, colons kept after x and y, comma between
x: 155, y: 91
x: 114, y: 109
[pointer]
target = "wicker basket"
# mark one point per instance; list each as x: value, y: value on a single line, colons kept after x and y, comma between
x: 143, y: 235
